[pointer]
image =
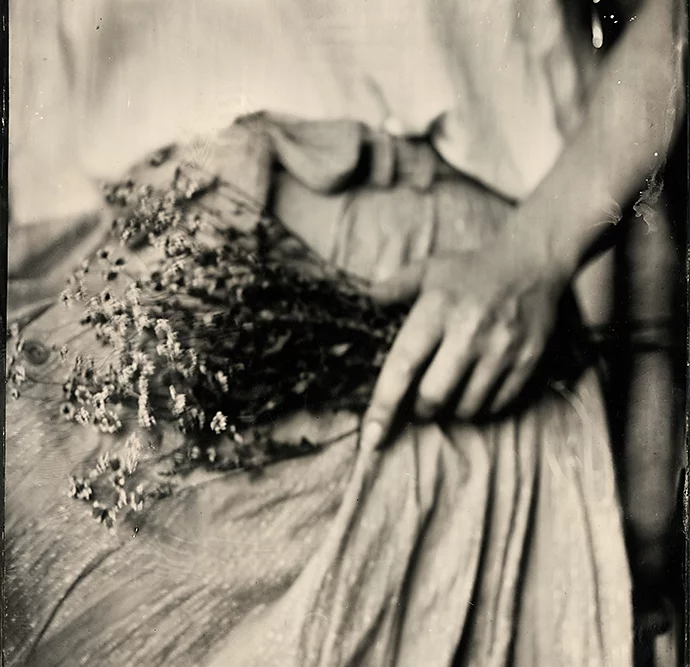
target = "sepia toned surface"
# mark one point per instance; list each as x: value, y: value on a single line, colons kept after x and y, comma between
x: 339, y: 558
x: 499, y: 543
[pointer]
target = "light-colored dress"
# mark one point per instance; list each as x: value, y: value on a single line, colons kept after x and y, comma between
x: 95, y: 87
x: 495, y: 545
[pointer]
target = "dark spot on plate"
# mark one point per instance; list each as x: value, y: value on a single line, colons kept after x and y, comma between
x: 35, y: 352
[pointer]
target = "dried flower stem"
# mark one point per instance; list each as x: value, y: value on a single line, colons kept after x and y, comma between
x: 222, y: 338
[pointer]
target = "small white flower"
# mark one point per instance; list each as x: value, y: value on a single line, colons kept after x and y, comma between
x: 103, y: 462
x: 80, y: 488
x: 82, y: 416
x: 121, y: 498
x: 162, y: 327
x: 133, y: 296
x: 144, y: 415
x: 170, y: 348
x: 82, y: 394
x: 19, y: 373
x: 72, y: 491
x: 143, y: 364
x: 179, y: 402
x: 223, y: 381
x: 109, y: 423
x: 141, y: 319
x: 136, y: 502
x: 120, y: 323
x: 133, y: 448
x: 219, y: 423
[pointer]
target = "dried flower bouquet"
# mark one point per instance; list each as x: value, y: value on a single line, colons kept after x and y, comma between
x: 223, y: 334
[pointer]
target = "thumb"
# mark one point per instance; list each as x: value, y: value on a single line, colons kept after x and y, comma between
x: 405, y: 286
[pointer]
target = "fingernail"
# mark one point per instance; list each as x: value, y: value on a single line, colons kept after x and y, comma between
x: 371, y: 436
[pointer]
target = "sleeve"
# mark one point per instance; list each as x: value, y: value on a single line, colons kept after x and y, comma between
x: 45, y: 177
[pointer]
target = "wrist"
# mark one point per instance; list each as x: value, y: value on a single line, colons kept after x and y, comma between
x: 538, y: 248
x: 563, y: 233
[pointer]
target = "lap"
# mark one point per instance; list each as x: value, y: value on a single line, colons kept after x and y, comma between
x: 335, y: 558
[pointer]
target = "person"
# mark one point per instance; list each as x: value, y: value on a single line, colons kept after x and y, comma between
x: 516, y: 117
x: 482, y: 319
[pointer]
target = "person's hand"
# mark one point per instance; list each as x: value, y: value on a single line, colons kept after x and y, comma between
x: 474, y: 336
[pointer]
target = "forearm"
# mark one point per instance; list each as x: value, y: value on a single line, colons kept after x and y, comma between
x: 629, y: 126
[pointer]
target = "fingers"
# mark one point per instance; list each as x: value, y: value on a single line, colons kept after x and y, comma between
x: 405, y: 286
x: 448, y: 368
x: 520, y: 373
x: 497, y: 358
x: 416, y: 342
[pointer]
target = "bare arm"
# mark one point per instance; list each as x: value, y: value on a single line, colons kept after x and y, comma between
x: 631, y: 120
x: 483, y: 318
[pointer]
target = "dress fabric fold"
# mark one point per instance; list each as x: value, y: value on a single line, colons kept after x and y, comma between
x: 461, y: 544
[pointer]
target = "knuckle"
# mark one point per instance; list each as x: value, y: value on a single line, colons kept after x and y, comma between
x: 506, y: 340
x: 524, y: 363
x: 401, y: 367
x: 457, y: 319
x: 510, y: 312
x: 464, y: 322
x: 530, y: 354
x: 382, y: 404
x: 384, y: 393
x: 474, y: 311
x: 436, y: 299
